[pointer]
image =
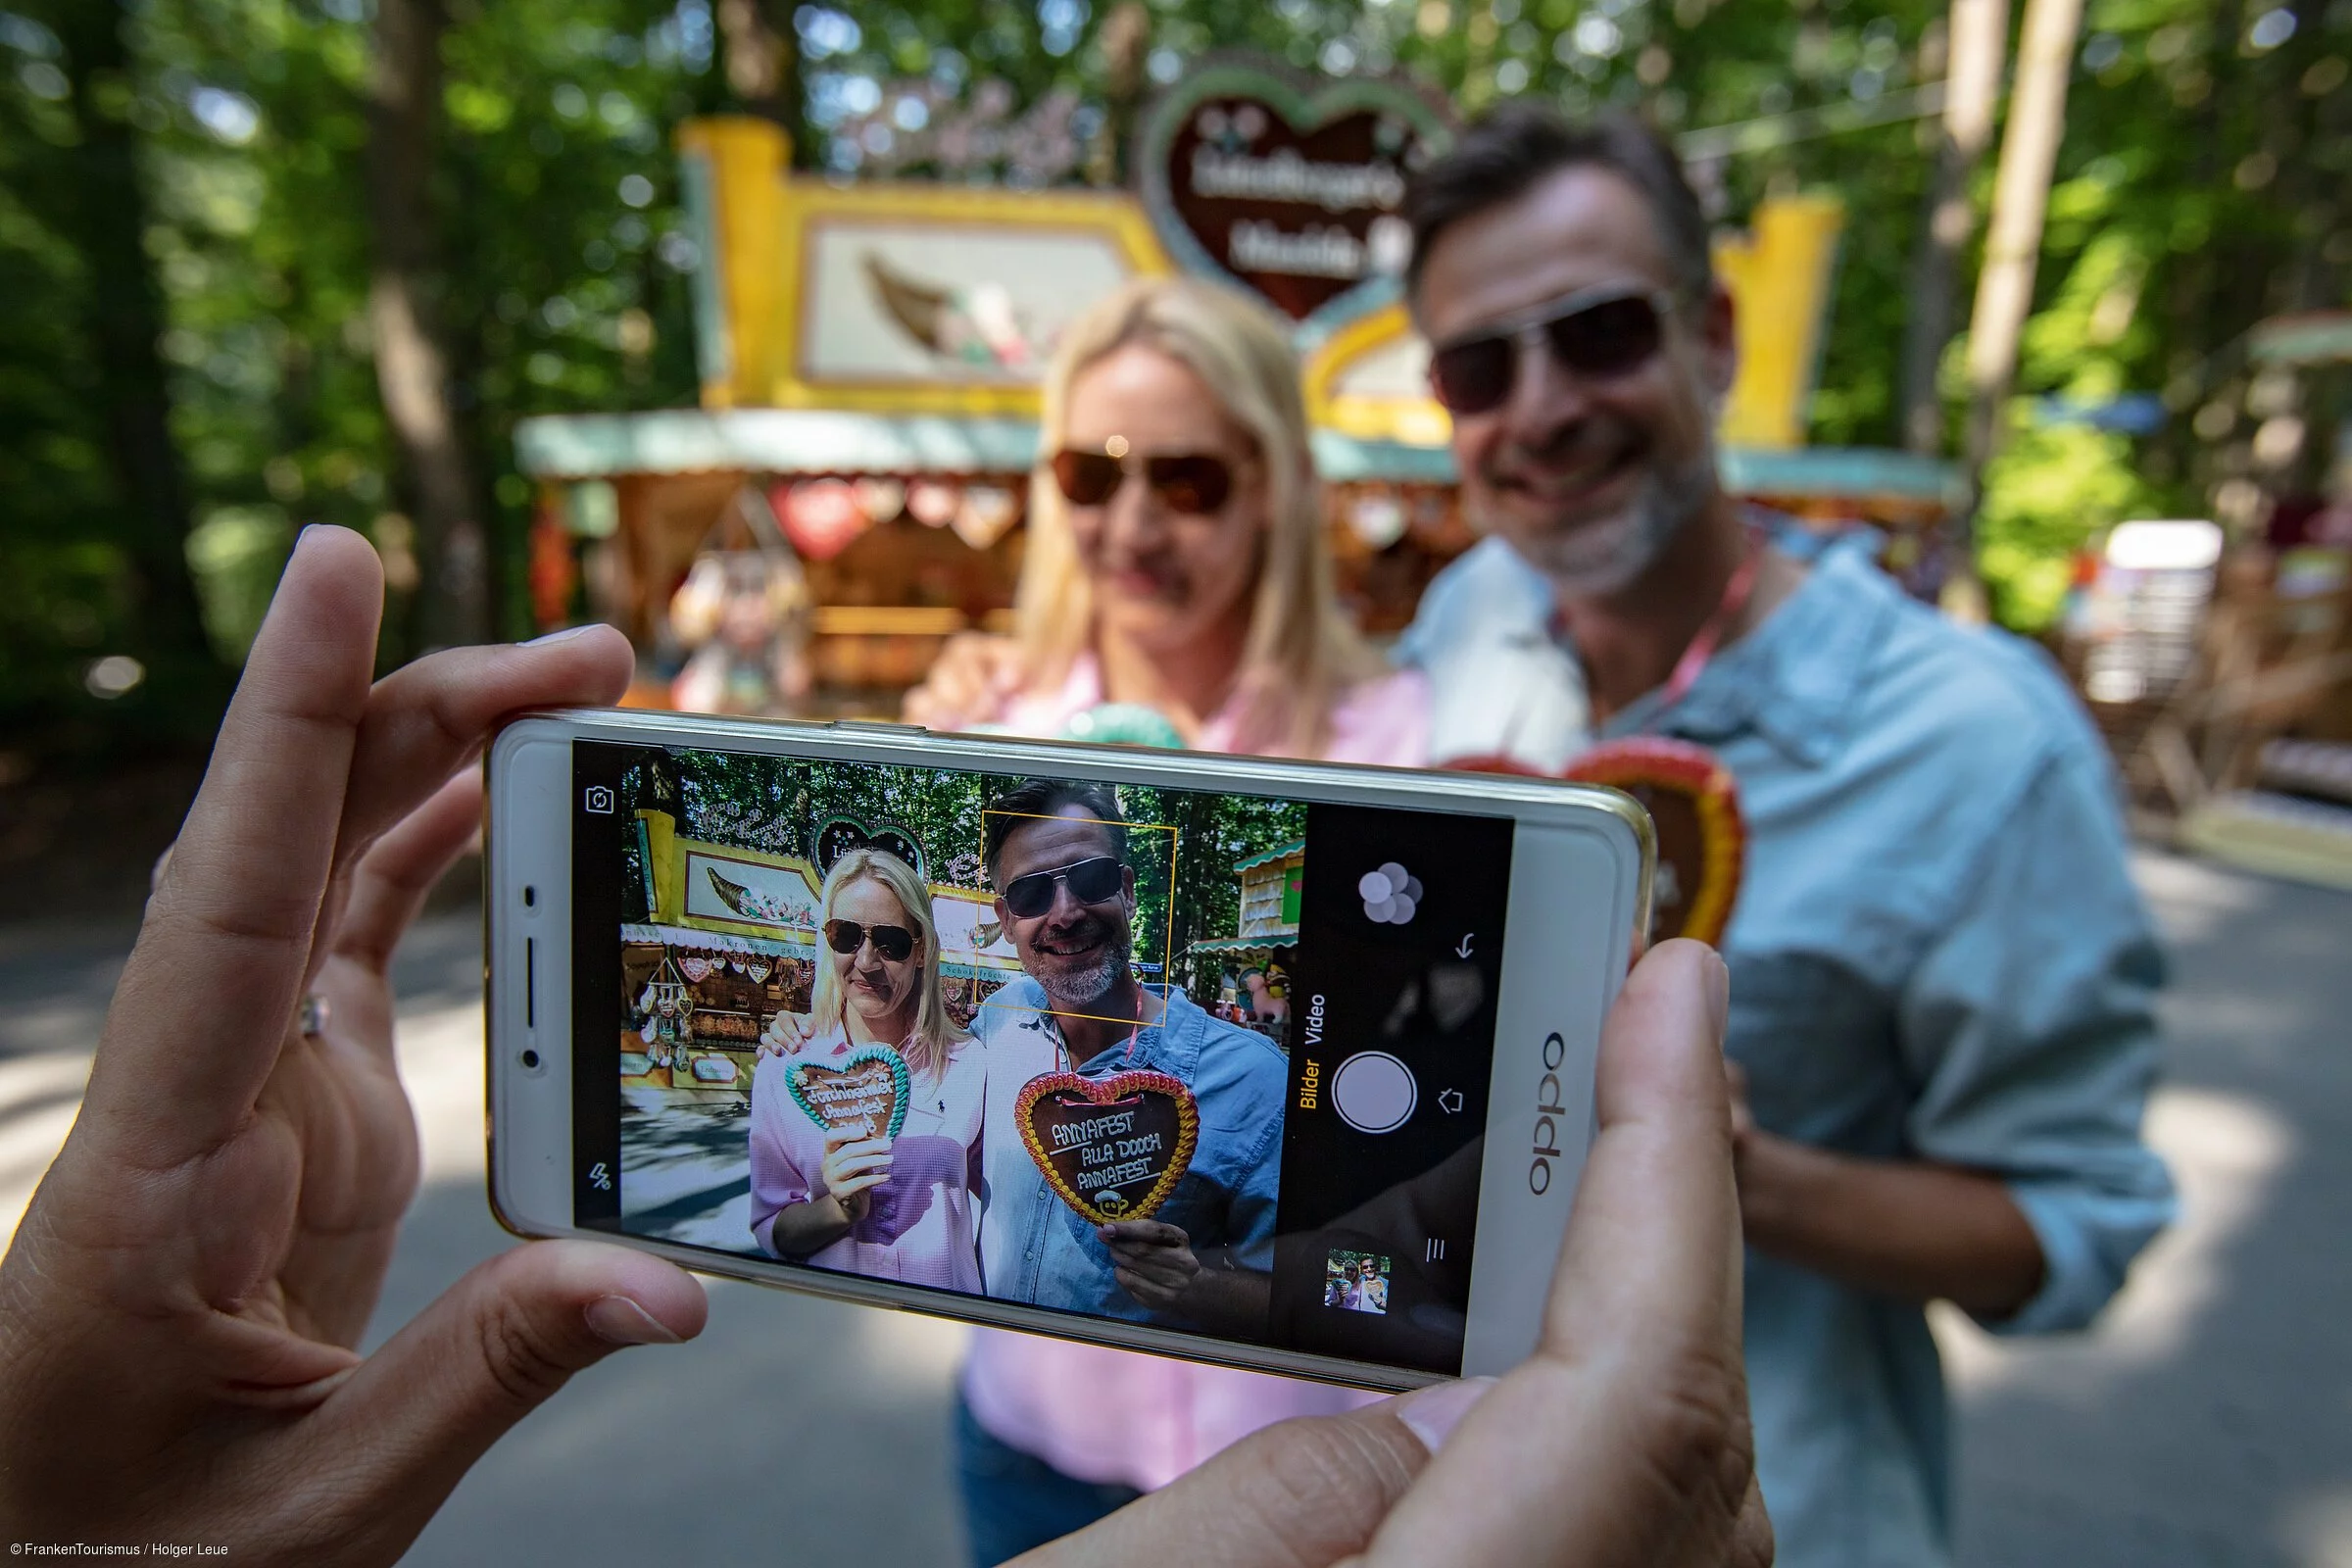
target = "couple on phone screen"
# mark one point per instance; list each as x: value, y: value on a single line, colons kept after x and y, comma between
x: 954, y: 1200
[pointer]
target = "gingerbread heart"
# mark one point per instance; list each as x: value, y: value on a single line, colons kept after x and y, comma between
x: 1694, y: 801
x: 867, y: 1092
x: 1113, y: 1147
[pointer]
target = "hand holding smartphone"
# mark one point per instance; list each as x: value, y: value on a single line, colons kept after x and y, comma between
x: 1279, y: 1065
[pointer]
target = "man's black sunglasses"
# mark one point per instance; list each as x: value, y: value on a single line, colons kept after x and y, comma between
x: 1594, y: 332
x: 1094, y: 881
x: 893, y: 942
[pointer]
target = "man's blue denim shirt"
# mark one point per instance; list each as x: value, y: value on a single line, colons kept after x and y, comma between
x: 1937, y: 954
x: 1033, y: 1246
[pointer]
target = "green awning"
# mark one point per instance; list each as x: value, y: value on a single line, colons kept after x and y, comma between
x: 1265, y: 943
x: 1274, y: 853
x: 819, y: 441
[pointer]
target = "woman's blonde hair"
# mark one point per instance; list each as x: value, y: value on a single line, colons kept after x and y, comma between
x: 936, y: 1034
x: 1302, y: 652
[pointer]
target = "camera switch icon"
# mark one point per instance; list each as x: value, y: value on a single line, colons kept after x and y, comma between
x: 598, y: 800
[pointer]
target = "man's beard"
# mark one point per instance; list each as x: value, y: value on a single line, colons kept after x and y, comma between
x: 1077, y: 984
x: 1604, y: 558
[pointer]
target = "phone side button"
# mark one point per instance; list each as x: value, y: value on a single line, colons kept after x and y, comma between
x: 877, y: 727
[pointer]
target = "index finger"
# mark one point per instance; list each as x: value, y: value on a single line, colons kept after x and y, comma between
x: 1143, y: 1232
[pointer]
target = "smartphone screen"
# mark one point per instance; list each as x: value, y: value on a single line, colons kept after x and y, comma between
x: 1212, y: 1063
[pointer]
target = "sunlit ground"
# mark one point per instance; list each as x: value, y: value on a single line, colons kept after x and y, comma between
x: 2207, y: 1420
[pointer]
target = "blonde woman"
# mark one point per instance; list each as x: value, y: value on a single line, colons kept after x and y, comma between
x: 1176, y: 559
x: 857, y: 1198
x: 1176, y: 569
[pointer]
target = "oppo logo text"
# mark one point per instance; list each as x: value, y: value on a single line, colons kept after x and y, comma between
x: 1548, y: 1110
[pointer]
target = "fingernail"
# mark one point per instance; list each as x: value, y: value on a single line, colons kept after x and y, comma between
x: 622, y: 1321
x: 1719, y: 995
x: 563, y: 636
x: 1434, y: 1411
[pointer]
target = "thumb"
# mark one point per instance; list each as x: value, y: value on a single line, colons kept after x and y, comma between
x: 492, y: 1348
x: 1301, y: 1492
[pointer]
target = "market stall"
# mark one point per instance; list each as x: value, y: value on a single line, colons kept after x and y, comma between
x: 1254, y: 961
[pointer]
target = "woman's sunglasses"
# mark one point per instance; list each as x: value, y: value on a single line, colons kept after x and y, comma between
x: 893, y: 942
x: 1594, y: 333
x: 1095, y: 881
x: 1194, y: 483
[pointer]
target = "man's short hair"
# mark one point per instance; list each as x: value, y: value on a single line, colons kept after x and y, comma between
x: 1047, y: 797
x: 1505, y: 154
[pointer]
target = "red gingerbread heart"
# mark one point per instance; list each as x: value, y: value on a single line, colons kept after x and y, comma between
x: 1112, y: 1149
x: 1695, y: 803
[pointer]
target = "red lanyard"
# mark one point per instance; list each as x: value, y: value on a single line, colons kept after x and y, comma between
x: 1702, y: 645
x: 1061, y: 1052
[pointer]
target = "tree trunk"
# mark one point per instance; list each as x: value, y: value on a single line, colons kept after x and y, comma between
x: 762, y: 60
x: 411, y: 357
x: 1125, y: 39
x: 1979, y: 34
x: 2045, y: 58
x: 108, y: 212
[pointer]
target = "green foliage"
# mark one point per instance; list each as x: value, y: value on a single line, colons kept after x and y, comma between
x: 2048, y: 493
x: 567, y: 287
x: 237, y: 554
x: 1193, y: 894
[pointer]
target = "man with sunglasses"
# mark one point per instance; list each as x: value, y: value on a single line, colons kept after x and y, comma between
x: 1056, y: 853
x: 1941, y: 1033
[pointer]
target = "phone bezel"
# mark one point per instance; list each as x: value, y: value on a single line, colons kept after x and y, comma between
x: 1564, y: 829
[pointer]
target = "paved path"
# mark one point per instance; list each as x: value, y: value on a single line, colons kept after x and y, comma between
x: 2208, y: 1421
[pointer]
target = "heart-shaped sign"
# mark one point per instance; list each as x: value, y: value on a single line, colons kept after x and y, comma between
x: 759, y: 969
x: 841, y: 834
x: 867, y: 1093
x: 1694, y: 801
x: 695, y: 968
x: 1112, y: 1148
x: 1288, y: 188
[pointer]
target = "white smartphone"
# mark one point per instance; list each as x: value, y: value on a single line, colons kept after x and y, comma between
x: 1277, y: 1065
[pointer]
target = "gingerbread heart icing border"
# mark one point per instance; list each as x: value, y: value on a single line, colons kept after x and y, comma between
x: 1103, y: 1092
x: 1679, y: 765
x: 901, y: 1080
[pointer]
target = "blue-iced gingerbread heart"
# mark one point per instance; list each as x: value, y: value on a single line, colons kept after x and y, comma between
x: 867, y: 1093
